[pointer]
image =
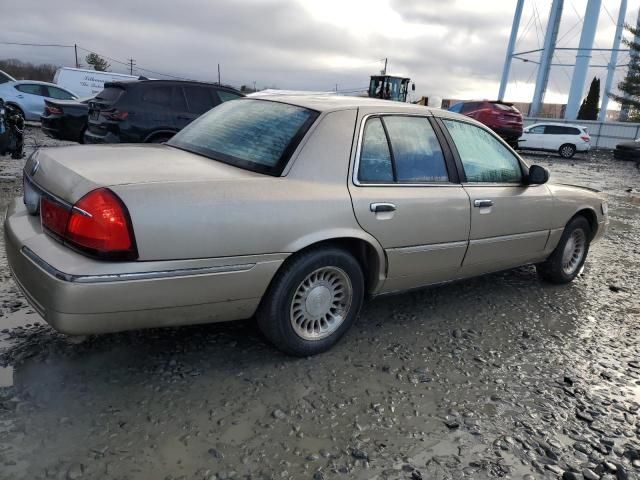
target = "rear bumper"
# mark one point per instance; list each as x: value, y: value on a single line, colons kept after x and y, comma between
x: 108, y: 137
x: 508, y: 133
x: 87, y: 297
x: 630, y: 154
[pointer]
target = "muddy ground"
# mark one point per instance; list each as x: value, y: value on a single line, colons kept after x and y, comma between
x: 499, y: 376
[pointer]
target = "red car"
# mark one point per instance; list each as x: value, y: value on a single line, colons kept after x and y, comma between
x: 501, y: 117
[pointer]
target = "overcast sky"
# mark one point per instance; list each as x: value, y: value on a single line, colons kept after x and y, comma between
x: 450, y: 49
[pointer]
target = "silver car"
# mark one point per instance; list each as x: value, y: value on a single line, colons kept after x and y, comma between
x: 292, y: 209
x: 29, y: 96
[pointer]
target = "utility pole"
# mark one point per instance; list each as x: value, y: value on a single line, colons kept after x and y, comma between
x: 219, y: 75
x: 512, y: 43
x: 384, y: 72
x: 613, y: 60
x: 550, y: 38
x: 75, y: 47
x: 254, y: 86
x: 583, y: 57
x: 132, y: 62
x: 336, y: 88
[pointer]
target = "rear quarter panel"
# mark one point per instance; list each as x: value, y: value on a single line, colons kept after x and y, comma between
x: 257, y: 215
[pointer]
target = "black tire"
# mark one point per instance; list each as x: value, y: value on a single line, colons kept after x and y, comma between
x: 159, y: 139
x: 567, y: 150
x: 552, y: 269
x: 275, y: 312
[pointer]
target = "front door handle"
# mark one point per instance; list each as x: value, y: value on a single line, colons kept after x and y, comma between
x: 483, y: 203
x: 382, y: 207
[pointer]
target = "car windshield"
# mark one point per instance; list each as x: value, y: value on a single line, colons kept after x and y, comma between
x: 257, y: 135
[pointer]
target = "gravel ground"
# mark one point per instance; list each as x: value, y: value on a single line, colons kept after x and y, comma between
x: 498, y: 376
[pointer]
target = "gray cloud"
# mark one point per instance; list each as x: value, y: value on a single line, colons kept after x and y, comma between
x: 277, y: 42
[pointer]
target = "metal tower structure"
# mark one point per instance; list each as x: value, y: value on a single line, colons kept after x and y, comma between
x: 583, y: 56
x: 550, y: 39
x: 613, y: 61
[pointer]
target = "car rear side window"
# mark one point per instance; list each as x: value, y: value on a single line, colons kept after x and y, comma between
x: 401, y: 149
x: 484, y: 158
x: 58, y: 93
x: 159, y: 96
x: 200, y: 99
x: 257, y: 135
x: 417, y: 154
x: 375, y: 157
x: 226, y: 96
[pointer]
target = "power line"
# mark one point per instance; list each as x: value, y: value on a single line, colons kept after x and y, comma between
x: 37, y: 44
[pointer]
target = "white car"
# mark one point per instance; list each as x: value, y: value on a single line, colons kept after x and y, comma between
x: 28, y: 96
x: 563, y: 138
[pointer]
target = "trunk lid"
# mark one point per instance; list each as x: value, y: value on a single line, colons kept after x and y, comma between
x: 71, y: 172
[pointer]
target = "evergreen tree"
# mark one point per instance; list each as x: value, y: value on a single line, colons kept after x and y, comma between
x: 98, y: 63
x: 589, y: 108
x: 630, y: 86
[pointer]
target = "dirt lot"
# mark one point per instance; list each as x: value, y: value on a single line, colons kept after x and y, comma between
x: 499, y: 376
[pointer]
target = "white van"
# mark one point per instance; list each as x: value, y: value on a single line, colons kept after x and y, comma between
x: 87, y: 83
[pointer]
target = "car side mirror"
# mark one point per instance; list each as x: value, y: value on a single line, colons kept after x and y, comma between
x: 537, y: 175
x: 413, y: 87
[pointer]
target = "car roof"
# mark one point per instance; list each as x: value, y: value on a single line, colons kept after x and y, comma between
x: 137, y: 83
x: 35, y: 82
x: 327, y: 103
x: 557, y: 124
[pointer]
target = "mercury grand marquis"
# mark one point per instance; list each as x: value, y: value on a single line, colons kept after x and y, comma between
x: 292, y: 209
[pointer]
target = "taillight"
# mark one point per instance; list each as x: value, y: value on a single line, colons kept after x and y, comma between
x: 116, y: 115
x: 54, y: 216
x: 97, y: 224
x: 51, y: 110
x: 585, y: 138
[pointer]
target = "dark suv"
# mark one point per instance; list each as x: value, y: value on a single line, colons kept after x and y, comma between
x: 150, y: 110
x: 501, y: 117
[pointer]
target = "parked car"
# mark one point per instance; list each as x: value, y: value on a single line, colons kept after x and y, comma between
x: 501, y: 117
x: 628, y: 150
x: 289, y: 208
x: 5, y: 77
x: 65, y: 119
x: 28, y: 96
x: 150, y: 111
x: 563, y: 138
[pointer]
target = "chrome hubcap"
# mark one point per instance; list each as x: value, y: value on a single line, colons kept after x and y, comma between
x: 573, y: 252
x: 321, y: 303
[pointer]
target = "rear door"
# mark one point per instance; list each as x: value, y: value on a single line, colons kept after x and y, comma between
x: 405, y: 192
x: 31, y: 97
x: 510, y: 221
x: 158, y: 107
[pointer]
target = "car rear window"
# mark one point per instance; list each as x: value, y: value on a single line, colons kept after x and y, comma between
x: 502, y: 106
x: 110, y: 94
x: 257, y: 135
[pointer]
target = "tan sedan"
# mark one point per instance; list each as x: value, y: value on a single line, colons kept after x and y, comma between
x: 292, y: 209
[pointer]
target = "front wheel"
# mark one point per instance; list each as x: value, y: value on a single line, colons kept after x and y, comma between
x: 567, y: 260
x: 567, y: 150
x: 313, y: 300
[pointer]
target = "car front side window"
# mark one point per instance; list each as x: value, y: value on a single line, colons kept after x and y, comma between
x: 537, y: 130
x: 484, y: 158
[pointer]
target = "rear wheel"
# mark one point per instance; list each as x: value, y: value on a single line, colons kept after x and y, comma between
x: 567, y: 260
x: 159, y: 139
x: 312, y: 301
x: 567, y: 150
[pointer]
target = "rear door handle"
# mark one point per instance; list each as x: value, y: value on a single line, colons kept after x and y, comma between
x: 382, y: 207
x: 483, y: 203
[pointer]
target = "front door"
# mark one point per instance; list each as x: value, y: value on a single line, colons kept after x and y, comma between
x: 405, y: 193
x: 510, y: 221
x: 534, y: 138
